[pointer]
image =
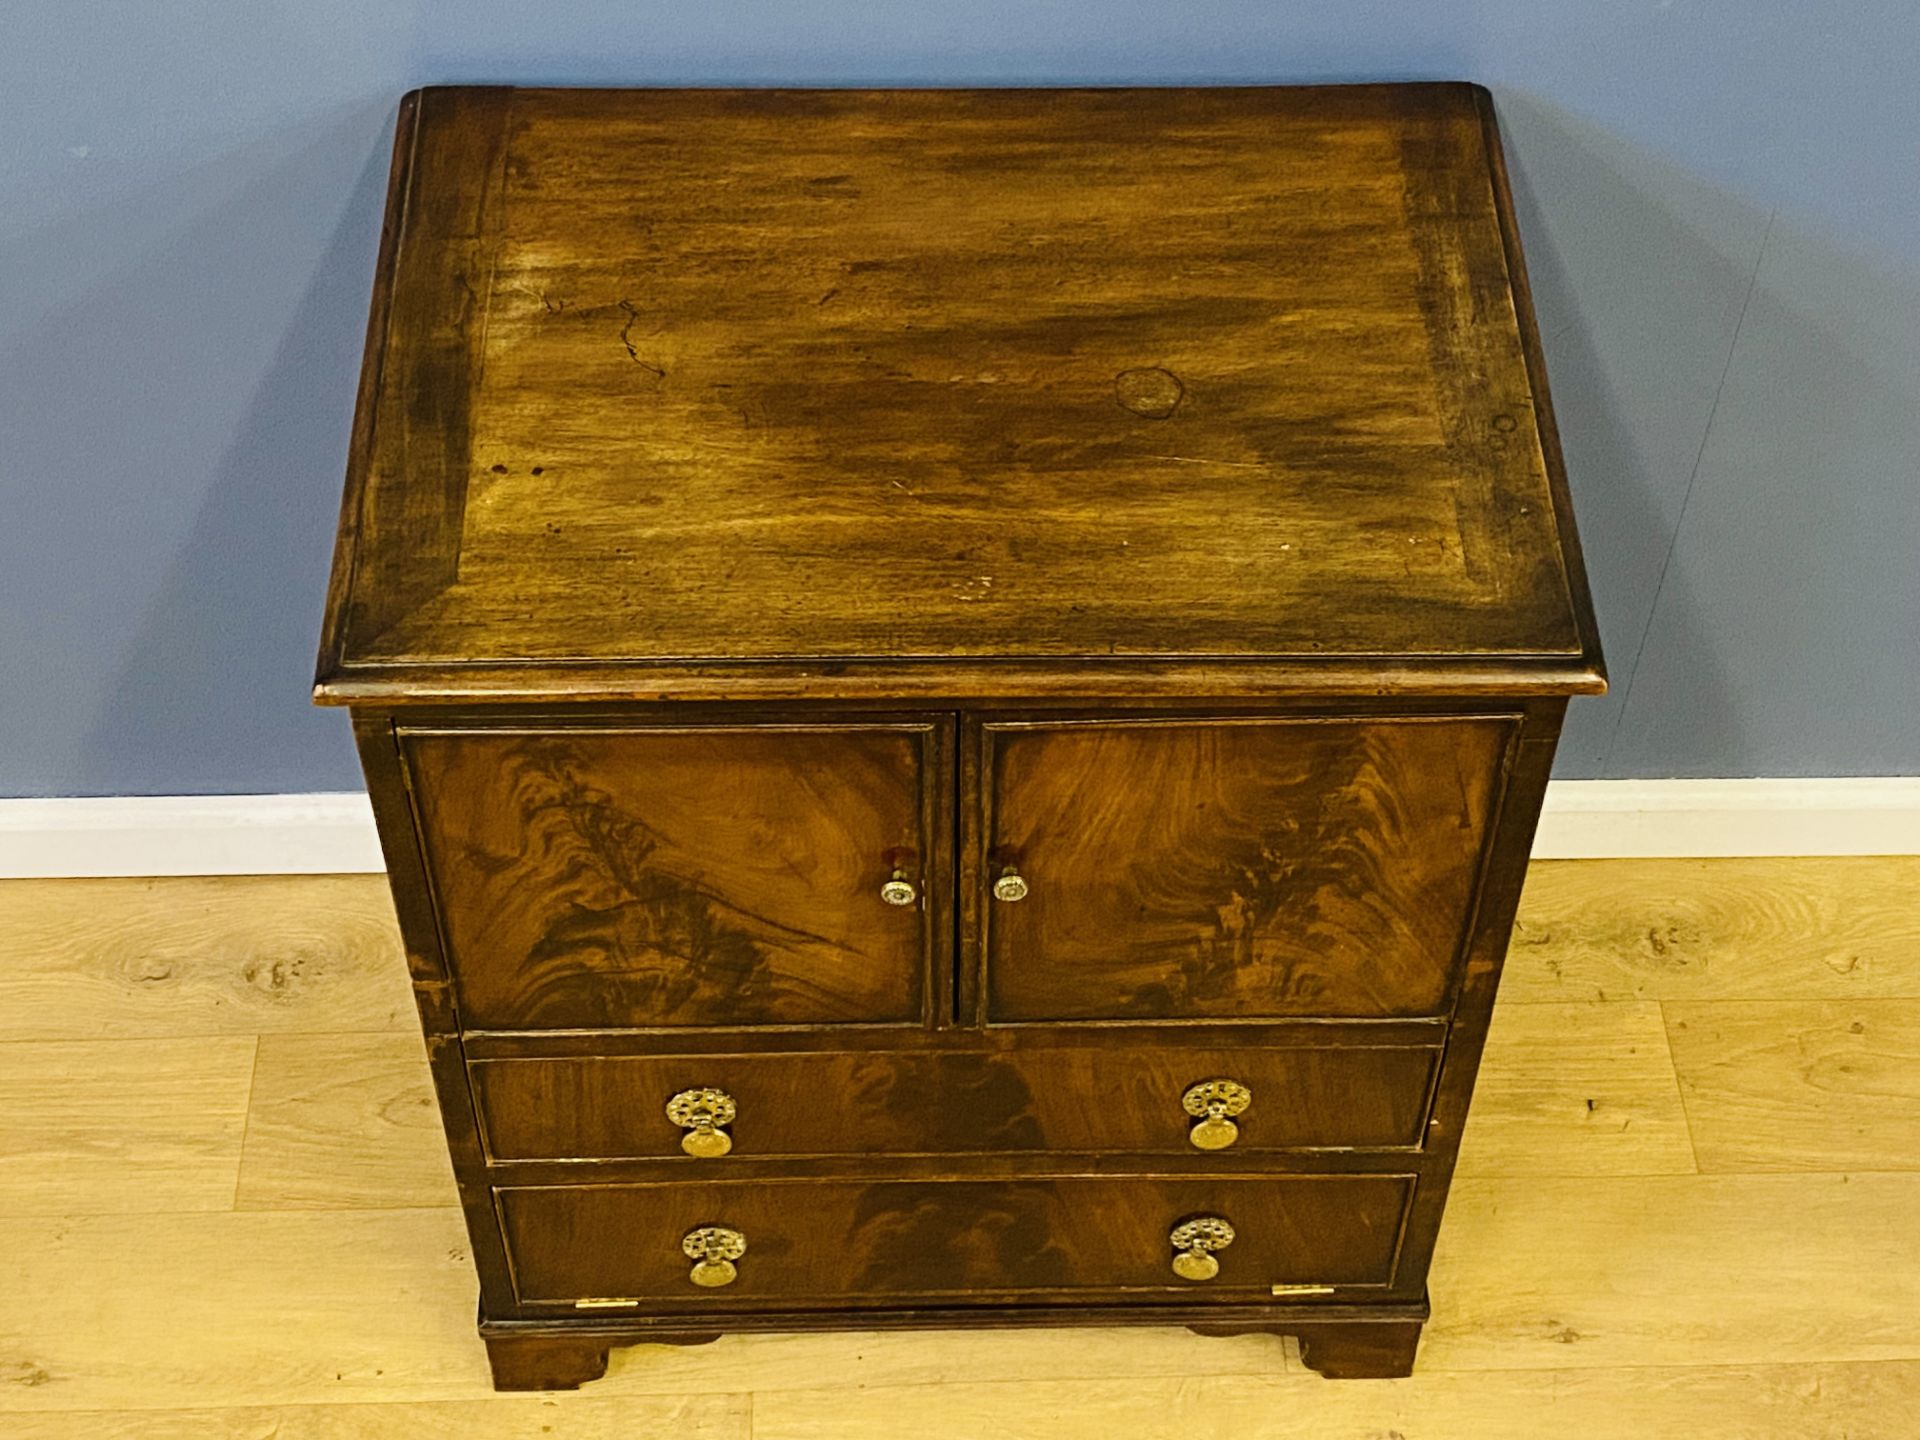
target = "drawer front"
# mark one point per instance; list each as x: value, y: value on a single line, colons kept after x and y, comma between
x: 839, y: 1241
x: 1109, y: 1098
x: 598, y: 877
x: 1232, y: 868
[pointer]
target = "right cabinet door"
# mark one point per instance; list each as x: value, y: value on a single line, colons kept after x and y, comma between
x: 1234, y: 868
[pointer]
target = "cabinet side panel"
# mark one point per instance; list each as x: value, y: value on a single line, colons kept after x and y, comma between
x: 393, y: 815
x: 1519, y: 814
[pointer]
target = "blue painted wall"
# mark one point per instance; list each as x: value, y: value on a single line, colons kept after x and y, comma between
x: 1721, y: 203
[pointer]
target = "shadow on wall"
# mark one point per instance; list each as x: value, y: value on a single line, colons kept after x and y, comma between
x: 1639, y: 271
x: 213, y: 692
x: 1736, y: 398
x: 1801, y: 544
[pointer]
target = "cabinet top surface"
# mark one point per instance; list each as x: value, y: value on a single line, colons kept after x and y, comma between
x: 667, y: 385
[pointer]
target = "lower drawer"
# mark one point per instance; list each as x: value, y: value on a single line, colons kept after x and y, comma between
x: 834, y: 1242
x: 1121, y: 1097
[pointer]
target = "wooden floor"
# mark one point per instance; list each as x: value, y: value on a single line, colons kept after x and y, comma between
x: 1689, y: 1206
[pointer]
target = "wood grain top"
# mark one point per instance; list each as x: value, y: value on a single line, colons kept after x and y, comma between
x: 669, y: 389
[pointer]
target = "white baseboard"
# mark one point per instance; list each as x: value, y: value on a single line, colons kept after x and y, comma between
x: 323, y: 834
x: 1604, y: 819
x: 333, y: 833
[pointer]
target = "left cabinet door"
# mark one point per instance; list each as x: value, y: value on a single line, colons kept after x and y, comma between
x: 602, y: 876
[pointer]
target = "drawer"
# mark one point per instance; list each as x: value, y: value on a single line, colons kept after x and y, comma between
x: 1234, y: 868
x: 602, y: 877
x: 841, y: 1241
x: 1108, y: 1098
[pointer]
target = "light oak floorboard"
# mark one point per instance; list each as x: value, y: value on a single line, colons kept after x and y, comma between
x: 1801, y: 1085
x: 343, y: 1121
x: 173, y: 1311
x: 1763, y: 1402
x: 332, y: 1306
x: 1723, y: 1269
x: 1633, y: 1304
x: 92, y: 1127
x: 1772, y: 928
x: 504, y: 1417
x: 1576, y: 1090
x: 213, y: 955
x: 833, y: 1361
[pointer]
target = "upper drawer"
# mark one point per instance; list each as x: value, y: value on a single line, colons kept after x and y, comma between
x: 1232, y: 868
x: 1118, y: 1097
x: 592, y: 877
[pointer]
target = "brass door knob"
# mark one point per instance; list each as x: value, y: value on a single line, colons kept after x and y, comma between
x: 899, y: 890
x: 1010, y: 886
x: 1194, y: 1242
x: 701, y: 1113
x: 713, y: 1249
x: 1214, y: 1103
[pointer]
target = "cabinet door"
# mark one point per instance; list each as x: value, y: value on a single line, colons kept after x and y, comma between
x: 599, y: 877
x: 1231, y: 868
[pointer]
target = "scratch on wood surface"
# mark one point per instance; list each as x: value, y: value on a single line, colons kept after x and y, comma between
x: 1202, y: 460
x: 626, y: 339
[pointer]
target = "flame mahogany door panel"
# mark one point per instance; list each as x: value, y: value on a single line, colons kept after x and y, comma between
x: 1233, y: 868
x: 605, y: 877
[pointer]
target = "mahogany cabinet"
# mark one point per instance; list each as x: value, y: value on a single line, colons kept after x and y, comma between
x: 956, y: 686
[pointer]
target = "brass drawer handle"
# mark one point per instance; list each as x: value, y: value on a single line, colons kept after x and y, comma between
x: 899, y: 890
x: 1214, y: 1103
x: 713, y: 1249
x: 1194, y: 1242
x: 1010, y: 886
x: 701, y: 1113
